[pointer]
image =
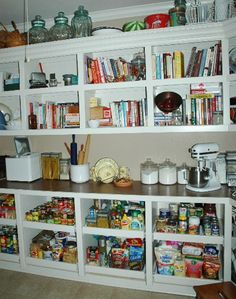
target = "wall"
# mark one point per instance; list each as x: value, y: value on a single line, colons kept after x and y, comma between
x: 131, y: 149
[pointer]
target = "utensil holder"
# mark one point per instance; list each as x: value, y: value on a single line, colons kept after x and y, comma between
x: 79, y: 173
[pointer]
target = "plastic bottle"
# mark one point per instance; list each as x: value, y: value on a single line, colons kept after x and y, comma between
x: 135, y: 223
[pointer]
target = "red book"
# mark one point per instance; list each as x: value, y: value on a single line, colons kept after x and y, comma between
x: 94, y: 73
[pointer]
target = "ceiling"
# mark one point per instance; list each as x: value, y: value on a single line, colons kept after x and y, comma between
x: 14, y: 9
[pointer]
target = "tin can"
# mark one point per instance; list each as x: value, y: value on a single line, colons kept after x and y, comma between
x: 194, y: 223
x: 165, y: 213
x: 215, y: 229
x: 183, y: 212
x: 183, y: 226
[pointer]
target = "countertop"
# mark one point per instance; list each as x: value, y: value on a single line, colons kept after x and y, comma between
x: 137, y: 188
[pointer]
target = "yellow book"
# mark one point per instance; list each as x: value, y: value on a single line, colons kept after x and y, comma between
x: 178, y: 64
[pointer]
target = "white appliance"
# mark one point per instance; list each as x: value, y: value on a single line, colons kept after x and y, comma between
x: 25, y: 168
x: 206, y: 154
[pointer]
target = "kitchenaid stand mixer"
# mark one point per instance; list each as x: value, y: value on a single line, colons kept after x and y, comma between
x: 203, y: 178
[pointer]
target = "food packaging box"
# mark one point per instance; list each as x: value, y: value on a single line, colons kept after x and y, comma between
x: 96, y: 112
x: 12, y: 84
x: 25, y: 168
x: 44, y: 238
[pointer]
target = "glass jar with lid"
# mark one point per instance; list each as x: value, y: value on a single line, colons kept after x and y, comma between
x: 61, y: 29
x: 38, y: 33
x: 81, y: 23
x: 167, y: 173
x: 138, y: 67
x: 149, y: 172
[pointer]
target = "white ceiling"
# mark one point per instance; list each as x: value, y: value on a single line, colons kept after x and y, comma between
x: 15, y: 9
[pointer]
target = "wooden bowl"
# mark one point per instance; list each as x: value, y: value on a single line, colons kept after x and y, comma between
x: 123, y: 183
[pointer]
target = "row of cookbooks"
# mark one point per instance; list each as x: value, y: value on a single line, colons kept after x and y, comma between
x: 51, y: 115
x: 129, y: 113
x: 204, y: 101
x: 105, y: 70
x: 202, y: 63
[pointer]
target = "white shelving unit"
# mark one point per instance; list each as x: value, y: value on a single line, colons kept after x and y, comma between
x: 70, y: 57
x: 147, y: 279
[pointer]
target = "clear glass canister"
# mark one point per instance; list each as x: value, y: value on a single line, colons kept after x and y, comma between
x: 182, y: 174
x: 149, y: 172
x: 138, y: 67
x: 38, y: 33
x: 64, y: 169
x: 167, y: 173
x: 60, y: 30
x: 81, y: 23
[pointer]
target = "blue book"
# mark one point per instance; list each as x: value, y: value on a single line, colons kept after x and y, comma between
x: 203, y: 60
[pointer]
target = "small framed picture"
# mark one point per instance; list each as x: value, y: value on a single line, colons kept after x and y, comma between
x: 22, y: 145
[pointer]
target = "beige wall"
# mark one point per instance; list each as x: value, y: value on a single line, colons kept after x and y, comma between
x: 131, y: 149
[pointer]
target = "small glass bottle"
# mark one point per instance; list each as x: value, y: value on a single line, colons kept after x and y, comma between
x: 81, y: 23
x: 60, y: 30
x: 32, y: 118
x: 38, y: 33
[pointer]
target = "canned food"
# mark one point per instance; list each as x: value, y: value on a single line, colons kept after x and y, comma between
x: 183, y: 212
x: 165, y: 213
x: 183, y: 226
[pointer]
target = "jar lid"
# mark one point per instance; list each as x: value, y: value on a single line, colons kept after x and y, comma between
x: 61, y: 18
x: 167, y: 163
x: 148, y: 164
x: 38, y: 21
x: 81, y: 11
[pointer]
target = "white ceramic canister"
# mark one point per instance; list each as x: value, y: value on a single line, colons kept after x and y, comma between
x: 79, y: 173
x: 167, y: 173
x: 182, y: 174
x: 149, y: 172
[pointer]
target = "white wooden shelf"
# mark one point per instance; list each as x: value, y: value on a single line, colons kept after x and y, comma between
x: 4, y: 221
x: 189, y: 238
x: 48, y: 226
x: 115, y: 272
x: 12, y: 258
x: 51, y: 264
x: 113, y: 232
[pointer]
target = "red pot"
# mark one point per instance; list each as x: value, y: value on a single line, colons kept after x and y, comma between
x: 157, y: 21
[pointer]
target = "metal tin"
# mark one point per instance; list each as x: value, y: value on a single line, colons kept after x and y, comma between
x: 165, y: 213
x: 183, y: 226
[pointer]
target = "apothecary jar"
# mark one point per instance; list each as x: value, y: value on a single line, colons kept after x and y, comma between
x: 61, y: 29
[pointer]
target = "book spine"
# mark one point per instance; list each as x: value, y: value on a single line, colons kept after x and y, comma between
x: 206, y: 67
x: 94, y: 73
x: 191, y: 62
x: 178, y: 64
x: 203, y: 61
x: 154, y: 65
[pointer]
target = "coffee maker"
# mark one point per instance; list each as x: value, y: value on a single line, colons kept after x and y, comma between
x: 204, y: 178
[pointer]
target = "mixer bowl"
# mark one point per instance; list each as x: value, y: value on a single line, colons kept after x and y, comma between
x: 198, y: 178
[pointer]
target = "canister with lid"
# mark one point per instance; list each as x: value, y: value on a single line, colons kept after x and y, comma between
x: 167, y: 173
x: 182, y: 174
x: 149, y: 172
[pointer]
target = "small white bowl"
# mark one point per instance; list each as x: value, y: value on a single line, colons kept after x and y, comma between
x: 93, y: 123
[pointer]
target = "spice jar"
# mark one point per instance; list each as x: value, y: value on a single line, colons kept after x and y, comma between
x: 60, y: 30
x: 81, y: 23
x: 38, y: 33
x: 167, y: 173
x: 149, y: 172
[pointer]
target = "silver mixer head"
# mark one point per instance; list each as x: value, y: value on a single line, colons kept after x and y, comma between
x: 204, y: 151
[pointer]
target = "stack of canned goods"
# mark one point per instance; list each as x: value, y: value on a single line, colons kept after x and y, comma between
x: 186, y: 218
x: 8, y: 240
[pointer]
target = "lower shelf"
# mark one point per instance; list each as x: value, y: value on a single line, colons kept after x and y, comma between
x: 13, y: 258
x: 184, y: 281
x: 52, y: 264
x: 115, y: 272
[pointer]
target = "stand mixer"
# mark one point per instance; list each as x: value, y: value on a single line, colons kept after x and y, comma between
x: 203, y: 178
